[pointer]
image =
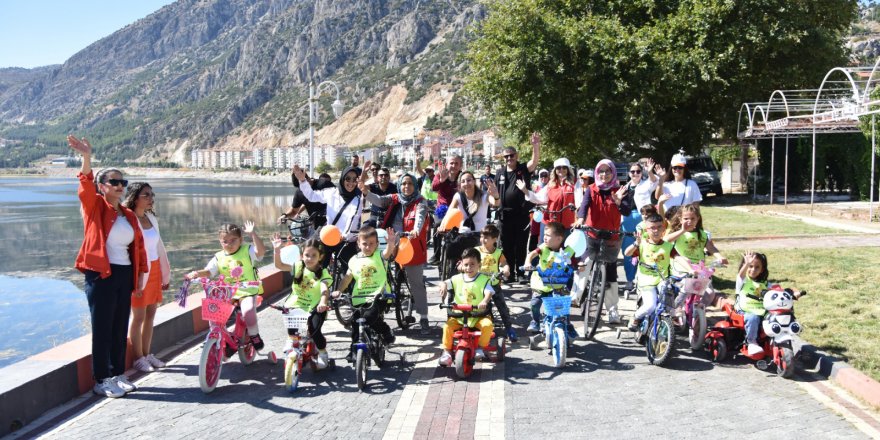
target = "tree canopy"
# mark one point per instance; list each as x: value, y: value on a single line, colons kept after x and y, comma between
x: 596, y: 75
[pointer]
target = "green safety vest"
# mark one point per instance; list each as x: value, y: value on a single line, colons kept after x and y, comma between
x: 750, y: 298
x: 427, y: 192
x: 651, y: 254
x: 241, y: 257
x: 692, y: 245
x: 489, y: 262
x: 306, y: 294
x: 546, y: 258
x: 370, y: 277
x: 469, y: 292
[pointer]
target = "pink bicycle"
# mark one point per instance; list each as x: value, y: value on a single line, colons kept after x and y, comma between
x: 220, y: 344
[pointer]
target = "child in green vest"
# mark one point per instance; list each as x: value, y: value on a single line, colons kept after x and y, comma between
x: 309, y: 292
x: 691, y: 241
x: 235, y: 255
x: 493, y: 263
x: 554, y: 272
x: 368, y: 269
x: 469, y: 287
x: 751, y: 283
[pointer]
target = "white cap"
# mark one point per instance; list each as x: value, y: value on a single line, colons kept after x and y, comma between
x: 561, y: 162
x: 679, y: 161
x: 544, y: 172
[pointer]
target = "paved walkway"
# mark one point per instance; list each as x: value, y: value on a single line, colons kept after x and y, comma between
x: 607, y: 390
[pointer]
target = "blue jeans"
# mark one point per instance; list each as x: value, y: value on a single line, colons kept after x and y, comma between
x: 109, y: 307
x: 628, y: 224
x: 753, y: 324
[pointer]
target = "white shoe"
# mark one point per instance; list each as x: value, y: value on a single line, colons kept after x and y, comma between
x: 755, y: 349
x: 154, y: 361
x: 143, y: 364
x: 613, y: 317
x: 629, y: 286
x: 479, y: 355
x: 446, y: 358
x: 322, y: 360
x: 108, y: 388
x: 124, y: 384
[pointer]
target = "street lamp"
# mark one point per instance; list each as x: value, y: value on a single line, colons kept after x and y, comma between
x: 337, y: 106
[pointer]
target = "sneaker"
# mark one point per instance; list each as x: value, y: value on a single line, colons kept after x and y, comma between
x: 124, y: 384
x: 445, y: 359
x: 574, y: 301
x: 572, y: 333
x: 350, y: 357
x: 108, y: 388
x: 511, y: 335
x: 534, y: 327
x: 634, y: 325
x: 154, y: 361
x: 143, y: 364
x: 389, y: 338
x: 479, y: 355
x: 755, y: 349
x: 613, y: 317
x: 424, y: 326
x: 434, y: 261
x: 322, y: 360
x: 257, y: 341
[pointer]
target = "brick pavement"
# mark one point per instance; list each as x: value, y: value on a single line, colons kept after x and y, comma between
x: 607, y: 389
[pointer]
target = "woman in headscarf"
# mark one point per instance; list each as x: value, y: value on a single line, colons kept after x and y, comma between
x: 407, y: 213
x: 604, y: 202
x: 344, y: 207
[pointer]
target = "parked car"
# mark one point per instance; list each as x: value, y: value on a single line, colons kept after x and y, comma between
x: 703, y: 172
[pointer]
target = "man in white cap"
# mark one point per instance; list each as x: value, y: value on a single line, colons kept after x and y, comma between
x: 677, y: 188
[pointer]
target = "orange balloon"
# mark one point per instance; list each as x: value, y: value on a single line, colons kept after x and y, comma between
x: 330, y: 235
x: 453, y: 219
x: 405, y: 252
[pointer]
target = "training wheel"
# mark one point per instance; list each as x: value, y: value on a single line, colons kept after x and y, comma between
x: 273, y: 358
x: 762, y: 364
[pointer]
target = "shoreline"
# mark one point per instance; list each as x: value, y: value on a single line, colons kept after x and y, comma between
x: 242, y: 175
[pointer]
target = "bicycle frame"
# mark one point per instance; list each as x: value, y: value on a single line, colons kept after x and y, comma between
x: 550, y: 323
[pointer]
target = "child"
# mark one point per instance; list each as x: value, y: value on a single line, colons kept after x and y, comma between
x: 235, y: 255
x: 751, y: 283
x: 691, y: 241
x: 493, y: 262
x: 555, y: 262
x: 370, y: 275
x: 652, y: 250
x: 309, y: 292
x: 469, y: 287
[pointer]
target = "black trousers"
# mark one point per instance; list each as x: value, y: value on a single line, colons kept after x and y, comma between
x: 374, y: 316
x: 514, y: 238
x: 315, y: 322
x: 109, y: 307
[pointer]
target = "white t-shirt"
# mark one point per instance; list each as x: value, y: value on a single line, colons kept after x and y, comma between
x: 681, y: 194
x: 121, y: 235
x: 643, y: 191
x: 480, y: 217
x: 350, y: 220
x: 214, y: 268
x: 151, y: 242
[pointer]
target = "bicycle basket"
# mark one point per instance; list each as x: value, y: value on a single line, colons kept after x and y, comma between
x: 555, y: 306
x: 296, y: 319
x: 695, y: 286
x: 216, y: 310
x: 300, y: 229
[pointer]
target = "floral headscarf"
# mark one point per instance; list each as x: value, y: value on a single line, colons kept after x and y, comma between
x: 614, y: 183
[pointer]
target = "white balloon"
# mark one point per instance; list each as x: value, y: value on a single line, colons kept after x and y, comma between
x: 383, y: 238
x: 290, y: 254
x: 577, y: 241
x: 538, y: 216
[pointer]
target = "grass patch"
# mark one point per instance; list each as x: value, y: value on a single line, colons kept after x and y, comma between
x: 723, y: 222
x: 841, y: 313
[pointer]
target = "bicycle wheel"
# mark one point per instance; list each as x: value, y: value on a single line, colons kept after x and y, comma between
x: 591, y: 305
x: 292, y: 371
x: 559, y: 347
x: 661, y: 336
x: 403, y: 301
x: 360, y: 369
x: 246, y: 351
x: 342, y: 307
x: 697, y: 328
x: 785, y: 368
x: 210, y: 365
x: 463, y: 365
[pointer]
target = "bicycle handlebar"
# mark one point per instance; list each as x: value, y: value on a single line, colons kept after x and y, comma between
x: 603, y: 231
x: 569, y: 207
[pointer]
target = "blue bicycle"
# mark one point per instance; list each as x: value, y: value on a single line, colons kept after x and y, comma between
x: 555, y: 326
x: 656, y: 330
x: 370, y: 345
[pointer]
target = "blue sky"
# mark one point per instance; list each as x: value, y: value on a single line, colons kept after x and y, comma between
x: 41, y: 32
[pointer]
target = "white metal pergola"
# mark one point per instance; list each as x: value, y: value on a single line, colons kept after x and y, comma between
x: 835, y: 107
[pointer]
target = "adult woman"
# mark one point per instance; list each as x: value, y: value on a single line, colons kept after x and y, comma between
x: 139, y: 198
x: 344, y: 207
x: 474, y: 204
x: 602, y: 207
x: 557, y: 195
x: 642, y: 182
x: 112, y: 258
x: 678, y: 186
x: 407, y: 213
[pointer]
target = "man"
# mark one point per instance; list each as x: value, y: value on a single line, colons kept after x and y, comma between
x: 382, y: 187
x: 514, y: 211
x: 300, y: 202
x: 445, y: 183
x: 374, y: 173
x: 355, y: 163
x: 487, y: 175
x: 425, y: 174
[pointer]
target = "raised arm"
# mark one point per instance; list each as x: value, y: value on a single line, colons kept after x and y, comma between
x: 260, y: 248
x: 536, y: 152
x: 277, y: 244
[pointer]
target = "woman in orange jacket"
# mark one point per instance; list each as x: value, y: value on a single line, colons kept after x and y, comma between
x: 112, y: 257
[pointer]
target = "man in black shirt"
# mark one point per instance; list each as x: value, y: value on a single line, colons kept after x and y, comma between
x: 300, y: 201
x: 382, y: 187
x: 487, y: 175
x: 514, y: 210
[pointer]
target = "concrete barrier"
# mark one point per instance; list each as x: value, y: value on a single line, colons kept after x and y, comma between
x: 41, y: 382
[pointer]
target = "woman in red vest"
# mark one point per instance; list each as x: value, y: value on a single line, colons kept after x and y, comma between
x: 557, y: 195
x: 407, y: 213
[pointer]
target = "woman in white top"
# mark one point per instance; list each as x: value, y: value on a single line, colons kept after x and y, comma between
x: 642, y: 183
x: 474, y: 204
x: 139, y: 198
x: 677, y: 188
x: 344, y: 207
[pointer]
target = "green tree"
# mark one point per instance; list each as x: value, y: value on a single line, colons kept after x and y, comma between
x: 340, y: 163
x: 323, y: 167
x: 596, y: 76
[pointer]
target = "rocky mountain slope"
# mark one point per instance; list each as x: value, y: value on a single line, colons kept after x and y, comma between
x: 217, y: 72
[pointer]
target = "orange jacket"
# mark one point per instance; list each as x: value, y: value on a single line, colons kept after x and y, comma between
x: 98, y: 217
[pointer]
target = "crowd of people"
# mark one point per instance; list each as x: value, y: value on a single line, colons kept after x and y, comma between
x: 126, y: 264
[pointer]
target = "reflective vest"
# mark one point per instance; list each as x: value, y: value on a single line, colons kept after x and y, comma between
x: 489, y: 262
x: 242, y: 258
x: 750, y: 299
x: 469, y: 292
x: 654, y: 254
x: 692, y: 245
x: 306, y: 294
x: 420, y: 244
x: 370, y: 277
x: 554, y: 269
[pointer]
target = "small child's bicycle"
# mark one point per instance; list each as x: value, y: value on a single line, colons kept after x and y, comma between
x: 217, y: 306
x: 370, y: 346
x: 657, y: 331
x: 465, y: 341
x: 302, y: 349
x: 693, y: 287
x: 554, y: 327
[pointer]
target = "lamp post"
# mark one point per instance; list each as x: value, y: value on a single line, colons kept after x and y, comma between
x: 337, y: 106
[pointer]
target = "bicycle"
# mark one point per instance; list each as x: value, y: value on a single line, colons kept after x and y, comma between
x: 342, y: 309
x: 404, y: 303
x: 302, y: 350
x: 217, y: 306
x: 657, y: 330
x: 370, y: 347
x: 465, y: 349
x: 694, y: 288
x: 554, y: 326
x: 299, y: 228
x: 592, y: 298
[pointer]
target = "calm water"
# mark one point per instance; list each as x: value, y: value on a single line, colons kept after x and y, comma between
x: 42, y: 303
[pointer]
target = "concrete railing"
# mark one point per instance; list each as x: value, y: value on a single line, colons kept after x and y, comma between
x: 41, y: 382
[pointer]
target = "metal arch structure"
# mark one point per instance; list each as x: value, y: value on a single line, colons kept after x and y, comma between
x: 835, y: 107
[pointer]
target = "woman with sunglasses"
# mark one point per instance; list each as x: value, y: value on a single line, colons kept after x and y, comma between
x: 557, y: 195
x: 642, y: 183
x: 677, y: 188
x: 112, y: 258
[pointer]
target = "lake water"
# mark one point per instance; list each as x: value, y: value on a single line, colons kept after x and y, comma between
x: 42, y: 303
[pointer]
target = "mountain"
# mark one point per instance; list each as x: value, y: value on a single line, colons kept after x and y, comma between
x: 236, y: 72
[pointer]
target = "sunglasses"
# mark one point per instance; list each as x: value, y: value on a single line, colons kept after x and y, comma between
x: 147, y: 195
x: 508, y: 156
x: 604, y: 171
x: 117, y: 182
x: 635, y: 171
x: 351, y: 179
x: 677, y: 168
x: 383, y: 175
x: 562, y: 167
